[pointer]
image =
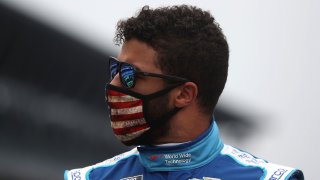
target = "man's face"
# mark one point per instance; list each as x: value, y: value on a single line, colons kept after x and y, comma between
x: 143, y: 57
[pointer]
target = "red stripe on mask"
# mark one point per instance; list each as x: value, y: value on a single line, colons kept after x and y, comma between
x: 129, y: 130
x: 127, y: 117
x: 115, y: 93
x: 120, y: 105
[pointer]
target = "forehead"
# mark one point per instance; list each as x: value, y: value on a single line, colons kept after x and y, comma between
x: 140, y: 55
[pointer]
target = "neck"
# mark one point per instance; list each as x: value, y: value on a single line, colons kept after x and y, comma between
x: 185, y: 126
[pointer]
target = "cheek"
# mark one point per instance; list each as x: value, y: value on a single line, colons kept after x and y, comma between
x: 159, y: 106
x: 149, y: 85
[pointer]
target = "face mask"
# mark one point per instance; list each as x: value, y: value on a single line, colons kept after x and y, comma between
x: 129, y: 113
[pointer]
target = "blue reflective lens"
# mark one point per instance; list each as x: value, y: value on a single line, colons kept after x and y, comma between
x: 127, y: 75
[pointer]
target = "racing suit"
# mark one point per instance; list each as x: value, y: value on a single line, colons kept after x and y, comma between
x: 205, y: 158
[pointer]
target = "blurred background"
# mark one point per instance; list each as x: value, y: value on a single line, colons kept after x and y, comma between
x: 53, y: 57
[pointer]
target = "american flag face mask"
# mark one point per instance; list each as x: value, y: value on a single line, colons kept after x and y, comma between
x: 128, y: 112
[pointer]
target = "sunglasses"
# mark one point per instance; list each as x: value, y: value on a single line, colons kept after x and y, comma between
x: 128, y: 73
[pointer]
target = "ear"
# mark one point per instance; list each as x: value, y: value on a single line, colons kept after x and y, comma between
x: 185, y: 94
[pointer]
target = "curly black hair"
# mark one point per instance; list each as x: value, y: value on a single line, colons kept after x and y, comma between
x: 189, y: 43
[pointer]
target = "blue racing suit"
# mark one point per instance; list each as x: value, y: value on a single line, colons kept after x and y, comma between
x: 205, y: 158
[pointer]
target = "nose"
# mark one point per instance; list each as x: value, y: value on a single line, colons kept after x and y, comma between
x: 116, y: 80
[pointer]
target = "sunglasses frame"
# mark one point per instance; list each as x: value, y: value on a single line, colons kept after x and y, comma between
x: 170, y: 78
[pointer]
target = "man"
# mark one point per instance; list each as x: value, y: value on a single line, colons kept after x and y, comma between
x: 164, y: 87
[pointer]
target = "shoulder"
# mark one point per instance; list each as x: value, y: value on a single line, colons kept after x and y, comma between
x: 84, y: 173
x: 268, y: 170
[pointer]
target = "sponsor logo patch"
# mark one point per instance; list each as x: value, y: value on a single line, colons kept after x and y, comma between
x: 205, y: 178
x: 278, y: 174
x: 75, y: 175
x: 172, y: 159
x: 153, y: 157
x: 138, y: 177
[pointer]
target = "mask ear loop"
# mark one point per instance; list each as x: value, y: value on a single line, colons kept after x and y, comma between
x: 162, y: 92
x: 146, y: 100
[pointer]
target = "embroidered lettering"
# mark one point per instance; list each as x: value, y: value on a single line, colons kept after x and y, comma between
x: 277, y: 174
